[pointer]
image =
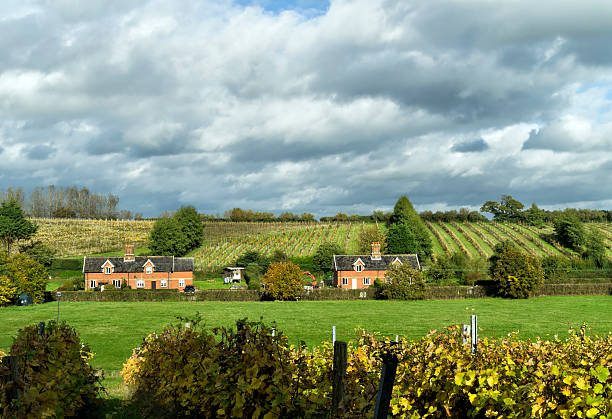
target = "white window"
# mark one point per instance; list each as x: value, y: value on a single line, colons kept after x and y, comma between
x: 117, y: 283
x: 140, y: 283
x: 92, y: 283
x: 163, y: 283
x: 344, y: 281
x: 149, y: 269
x: 366, y: 281
x: 181, y: 282
x: 107, y: 270
x: 358, y: 268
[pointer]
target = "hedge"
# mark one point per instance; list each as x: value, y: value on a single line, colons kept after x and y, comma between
x: 325, y: 294
x: 67, y: 264
x: 574, y: 289
x: 157, y: 295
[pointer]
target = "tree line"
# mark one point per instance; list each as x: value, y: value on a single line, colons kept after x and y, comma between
x: 67, y: 202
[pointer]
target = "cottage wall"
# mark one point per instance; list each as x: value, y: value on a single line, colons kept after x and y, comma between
x: 172, y: 279
x: 373, y: 275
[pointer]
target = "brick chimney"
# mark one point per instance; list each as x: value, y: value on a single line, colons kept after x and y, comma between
x: 376, y: 251
x: 129, y: 253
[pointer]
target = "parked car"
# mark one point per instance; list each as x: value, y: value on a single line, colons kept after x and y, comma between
x: 189, y: 288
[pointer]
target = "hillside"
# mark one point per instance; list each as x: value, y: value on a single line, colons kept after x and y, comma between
x: 224, y: 241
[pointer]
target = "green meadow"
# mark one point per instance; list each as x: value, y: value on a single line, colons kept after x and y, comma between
x: 113, y: 329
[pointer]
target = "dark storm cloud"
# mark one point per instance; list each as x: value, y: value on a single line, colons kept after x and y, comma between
x: 470, y: 146
x: 40, y: 152
x: 308, y: 106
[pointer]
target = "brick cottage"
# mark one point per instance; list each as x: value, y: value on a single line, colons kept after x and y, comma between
x: 144, y: 272
x: 360, y: 271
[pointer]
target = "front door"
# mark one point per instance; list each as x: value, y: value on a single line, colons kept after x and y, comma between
x: 153, y: 285
x: 354, y: 283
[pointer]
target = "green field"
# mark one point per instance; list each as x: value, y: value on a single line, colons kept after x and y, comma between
x: 113, y: 329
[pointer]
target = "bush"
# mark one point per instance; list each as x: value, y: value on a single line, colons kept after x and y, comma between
x: 404, y: 283
x: 569, y: 231
x: 555, y: 267
x: 218, y: 373
x: 283, y: 281
x: 517, y: 274
x: 27, y: 275
x: 67, y: 264
x: 57, y: 378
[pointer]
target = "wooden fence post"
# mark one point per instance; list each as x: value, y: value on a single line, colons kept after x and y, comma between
x: 385, y: 388
x: 339, y: 371
x: 41, y: 329
x: 12, y: 363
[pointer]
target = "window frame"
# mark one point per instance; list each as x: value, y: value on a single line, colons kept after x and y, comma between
x: 117, y: 283
x: 163, y: 283
x: 369, y: 281
x: 345, y: 281
x: 181, y: 283
x: 149, y: 270
x: 92, y: 283
x: 139, y: 282
x: 108, y: 270
x: 359, y: 267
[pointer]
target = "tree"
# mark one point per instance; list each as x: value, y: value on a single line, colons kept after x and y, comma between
x: 517, y: 274
x: 404, y: 213
x: 40, y: 252
x: 191, y: 225
x: 283, y: 281
x: 167, y: 238
x: 401, y: 240
x: 252, y: 276
x: 252, y: 257
x: 595, y: 249
x: 324, y: 255
x: 402, y: 282
x: 370, y: 235
x: 13, y: 224
x: 25, y: 274
x: 534, y: 216
x: 507, y: 209
x: 569, y: 231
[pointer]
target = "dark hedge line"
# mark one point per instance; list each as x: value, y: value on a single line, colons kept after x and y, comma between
x: 574, y: 289
x: 327, y: 294
x: 157, y: 295
x: 67, y: 264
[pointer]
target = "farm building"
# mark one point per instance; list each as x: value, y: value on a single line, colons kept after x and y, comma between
x: 233, y: 274
x: 360, y: 271
x: 145, y: 272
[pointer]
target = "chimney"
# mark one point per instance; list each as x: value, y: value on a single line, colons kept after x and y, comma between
x: 129, y: 253
x: 375, y: 251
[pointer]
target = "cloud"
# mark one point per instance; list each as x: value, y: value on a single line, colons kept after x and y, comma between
x: 470, y: 146
x: 308, y: 105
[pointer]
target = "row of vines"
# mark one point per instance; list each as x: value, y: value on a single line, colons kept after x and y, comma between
x: 225, y: 241
x: 251, y: 372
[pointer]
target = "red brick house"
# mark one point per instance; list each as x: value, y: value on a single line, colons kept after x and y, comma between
x: 144, y: 272
x: 360, y: 271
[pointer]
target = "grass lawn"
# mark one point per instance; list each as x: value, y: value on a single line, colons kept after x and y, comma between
x: 113, y: 329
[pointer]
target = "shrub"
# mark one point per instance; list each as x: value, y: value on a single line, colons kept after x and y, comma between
x: 8, y: 290
x: 555, y: 267
x: 218, y: 373
x: 58, y: 380
x: 569, y: 231
x: 283, y: 281
x: 404, y: 283
x: 517, y: 274
x: 27, y: 275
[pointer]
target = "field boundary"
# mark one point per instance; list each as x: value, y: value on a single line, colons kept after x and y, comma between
x: 433, y: 293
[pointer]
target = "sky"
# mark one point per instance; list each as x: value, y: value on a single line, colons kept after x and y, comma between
x: 309, y: 105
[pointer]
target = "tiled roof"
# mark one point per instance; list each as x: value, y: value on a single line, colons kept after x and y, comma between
x: 162, y: 264
x: 346, y: 262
